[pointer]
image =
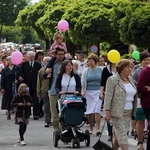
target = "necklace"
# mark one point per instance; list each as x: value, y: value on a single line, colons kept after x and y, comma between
x: 94, y: 71
x: 124, y: 79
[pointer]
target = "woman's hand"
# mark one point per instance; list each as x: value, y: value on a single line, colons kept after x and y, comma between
x: 76, y: 93
x: 107, y: 117
x: 148, y: 88
x: 101, y: 96
x: 16, y: 81
x: 20, y: 104
x: 83, y: 93
x: 20, y: 78
x: 61, y: 92
x: 2, y: 91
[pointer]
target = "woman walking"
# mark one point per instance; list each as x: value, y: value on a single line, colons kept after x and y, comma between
x: 91, y: 79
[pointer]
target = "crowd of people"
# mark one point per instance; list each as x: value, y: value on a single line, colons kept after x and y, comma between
x: 122, y: 90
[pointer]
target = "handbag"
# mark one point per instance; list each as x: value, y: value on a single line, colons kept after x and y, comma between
x: 99, y: 145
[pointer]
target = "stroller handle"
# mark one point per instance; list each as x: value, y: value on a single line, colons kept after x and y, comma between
x: 69, y: 93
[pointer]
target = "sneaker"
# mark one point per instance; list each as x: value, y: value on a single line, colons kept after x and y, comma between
x: 90, y: 131
x: 110, y: 138
x: 23, y: 143
x: 132, y: 133
x: 46, y: 125
x: 18, y: 140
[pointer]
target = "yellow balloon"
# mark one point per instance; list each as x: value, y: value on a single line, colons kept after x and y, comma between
x: 113, y: 56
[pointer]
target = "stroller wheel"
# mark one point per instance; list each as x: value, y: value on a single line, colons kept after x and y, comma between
x: 87, y: 137
x: 78, y: 143
x: 73, y: 143
x: 55, y: 138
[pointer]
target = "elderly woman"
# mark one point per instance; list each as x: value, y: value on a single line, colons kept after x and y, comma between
x: 9, y: 83
x: 91, y: 79
x: 120, y: 102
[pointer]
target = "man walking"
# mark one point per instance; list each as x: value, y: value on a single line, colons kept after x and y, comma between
x: 53, y: 96
x: 30, y: 70
x: 42, y: 91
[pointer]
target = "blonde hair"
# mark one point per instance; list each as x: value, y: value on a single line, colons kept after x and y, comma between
x: 23, y: 89
x: 93, y: 57
x: 57, y: 35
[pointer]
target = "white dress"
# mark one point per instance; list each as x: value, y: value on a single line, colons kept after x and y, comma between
x: 93, y: 102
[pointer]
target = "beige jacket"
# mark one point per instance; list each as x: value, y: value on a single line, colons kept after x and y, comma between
x: 42, y: 84
x: 115, y: 96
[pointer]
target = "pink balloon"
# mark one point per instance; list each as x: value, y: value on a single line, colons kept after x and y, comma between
x: 63, y: 25
x: 16, y: 58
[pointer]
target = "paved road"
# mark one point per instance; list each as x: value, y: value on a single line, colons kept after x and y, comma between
x: 39, y: 138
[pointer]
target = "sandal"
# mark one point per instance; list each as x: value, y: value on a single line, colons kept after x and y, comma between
x: 140, y: 148
x: 98, y: 133
x: 145, y: 134
x: 90, y: 131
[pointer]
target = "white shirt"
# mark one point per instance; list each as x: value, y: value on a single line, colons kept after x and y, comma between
x: 81, y: 65
x: 130, y: 93
x: 32, y: 63
x: 68, y: 84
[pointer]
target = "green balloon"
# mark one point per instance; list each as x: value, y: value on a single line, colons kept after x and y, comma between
x: 136, y: 55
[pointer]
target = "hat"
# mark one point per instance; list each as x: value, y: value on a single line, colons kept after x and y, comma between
x: 144, y: 55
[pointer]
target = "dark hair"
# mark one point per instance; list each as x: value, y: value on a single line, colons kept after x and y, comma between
x: 144, y: 55
x: 59, y: 49
x: 79, y: 52
x: 63, y: 67
x: 38, y: 53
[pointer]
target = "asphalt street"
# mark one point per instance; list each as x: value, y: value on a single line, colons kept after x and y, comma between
x: 38, y: 137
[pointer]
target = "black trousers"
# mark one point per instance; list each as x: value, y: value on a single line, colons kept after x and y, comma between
x: 36, y: 105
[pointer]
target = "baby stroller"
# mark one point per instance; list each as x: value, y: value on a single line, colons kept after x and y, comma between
x: 71, y: 117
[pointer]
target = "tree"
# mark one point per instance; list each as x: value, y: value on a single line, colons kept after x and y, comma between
x: 134, y: 27
x: 90, y: 22
x: 48, y: 22
x: 28, y: 17
x: 9, y: 10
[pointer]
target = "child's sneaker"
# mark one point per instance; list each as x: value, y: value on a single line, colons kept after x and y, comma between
x: 23, y: 143
x: 18, y: 140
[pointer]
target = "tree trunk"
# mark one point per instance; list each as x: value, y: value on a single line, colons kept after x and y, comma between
x: 1, y: 28
x: 98, y: 52
x: 47, y: 41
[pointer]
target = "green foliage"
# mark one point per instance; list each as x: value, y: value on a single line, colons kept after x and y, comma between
x: 19, y: 34
x: 48, y: 22
x: 9, y: 10
x: 30, y: 15
x: 90, y: 22
x: 126, y: 56
x: 135, y: 27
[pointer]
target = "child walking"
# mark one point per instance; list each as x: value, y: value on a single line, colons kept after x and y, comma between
x: 23, y: 102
